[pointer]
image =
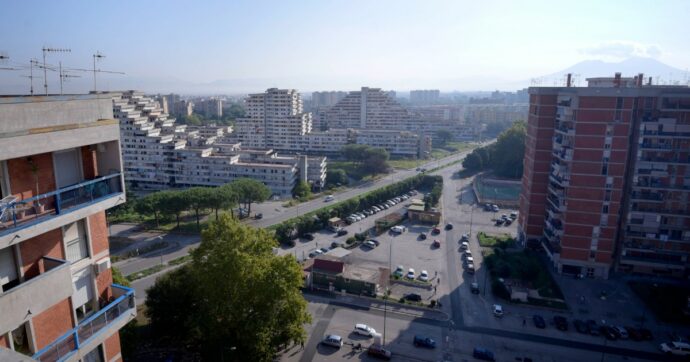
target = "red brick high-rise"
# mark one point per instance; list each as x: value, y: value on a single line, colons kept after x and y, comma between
x: 60, y: 170
x: 607, y: 177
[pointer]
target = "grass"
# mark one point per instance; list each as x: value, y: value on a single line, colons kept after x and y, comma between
x: 351, y: 169
x: 671, y: 307
x: 146, y: 272
x: 180, y: 260
x: 406, y: 163
x: 523, y: 266
x: 491, y: 241
x: 450, y: 148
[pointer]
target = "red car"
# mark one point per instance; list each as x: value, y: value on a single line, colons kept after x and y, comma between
x: 379, y: 352
x: 436, y: 243
x: 435, y: 231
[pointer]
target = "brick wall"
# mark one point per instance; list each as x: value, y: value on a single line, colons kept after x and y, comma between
x: 89, y: 158
x: 52, y: 323
x: 112, y: 347
x: 103, y: 283
x: 98, y: 232
x: 4, y: 342
x: 32, y: 250
x: 22, y: 180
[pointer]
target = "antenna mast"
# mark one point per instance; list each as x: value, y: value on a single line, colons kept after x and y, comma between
x: 96, y: 57
x: 45, y: 73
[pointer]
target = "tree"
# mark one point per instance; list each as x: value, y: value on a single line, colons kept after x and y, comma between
x: 250, y: 191
x: 173, y: 203
x: 198, y: 198
x: 150, y: 205
x: 235, y: 292
x: 442, y: 137
x: 223, y: 197
x: 376, y: 160
x: 472, y: 162
x: 336, y: 177
x: 301, y: 190
x: 508, y: 152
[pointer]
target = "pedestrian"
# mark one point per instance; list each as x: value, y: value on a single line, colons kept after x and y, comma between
x: 436, y: 273
x: 301, y: 345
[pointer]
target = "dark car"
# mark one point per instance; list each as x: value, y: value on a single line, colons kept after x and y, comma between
x: 414, y: 297
x: 581, y: 326
x: 436, y: 243
x: 342, y: 232
x: 422, y: 341
x: 422, y: 236
x: 435, y: 231
x: 483, y: 354
x: 474, y: 288
x: 379, y: 352
x: 258, y: 216
x: 309, y: 237
x: 609, y: 333
x: 507, y: 222
x: 593, y: 328
x: 449, y: 226
x: 375, y: 242
x: 324, y: 250
x: 499, y: 222
x: 646, y: 334
x: 634, y: 333
x: 561, y: 323
x: 539, y: 321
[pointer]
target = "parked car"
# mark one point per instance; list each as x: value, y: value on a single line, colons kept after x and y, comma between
x: 309, y: 237
x: 488, y: 207
x: 467, y: 254
x: 495, y: 208
x: 539, y: 321
x: 646, y: 334
x: 342, y: 232
x: 499, y: 222
x: 469, y: 259
x: 507, y: 222
x: 498, y: 310
x: 465, y: 245
x: 398, y: 229
x: 258, y: 216
x: 465, y: 237
x: 633, y: 333
x: 368, y: 212
x: 423, y: 341
x: 399, y: 271
x: 483, y: 354
x: 324, y: 250
x: 333, y: 341
x: 675, y: 348
x: 513, y: 215
x: 435, y: 231
x: 504, y: 217
x: 410, y: 274
x: 449, y: 226
x: 413, y: 297
x: 375, y: 242
x: 370, y: 244
x: 593, y: 328
x: 581, y: 326
x: 474, y: 288
x: 424, y: 276
x: 328, y: 198
x: 378, y: 351
x: 364, y: 330
x: 470, y: 268
x: 313, y: 254
x: 336, y: 244
x: 609, y: 333
x: 436, y: 243
x: 561, y: 323
x: 621, y: 332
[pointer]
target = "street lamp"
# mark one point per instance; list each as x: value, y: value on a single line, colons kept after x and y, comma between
x: 386, y: 295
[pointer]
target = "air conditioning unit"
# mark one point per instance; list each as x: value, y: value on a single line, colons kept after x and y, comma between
x: 102, y: 265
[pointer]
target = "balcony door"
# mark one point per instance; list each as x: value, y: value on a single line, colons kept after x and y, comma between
x: 68, y: 170
x: 83, y: 292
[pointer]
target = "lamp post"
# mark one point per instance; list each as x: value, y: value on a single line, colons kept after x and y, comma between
x: 385, y: 299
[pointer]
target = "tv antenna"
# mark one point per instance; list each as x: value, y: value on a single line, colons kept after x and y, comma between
x: 96, y: 58
x: 64, y: 75
x: 45, y: 74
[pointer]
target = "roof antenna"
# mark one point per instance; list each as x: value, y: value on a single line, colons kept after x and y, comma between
x: 98, y: 56
x: 45, y: 73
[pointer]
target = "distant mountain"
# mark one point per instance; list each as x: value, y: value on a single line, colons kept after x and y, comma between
x: 628, y: 68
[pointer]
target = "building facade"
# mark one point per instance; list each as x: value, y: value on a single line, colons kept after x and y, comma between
x: 60, y: 170
x: 607, y: 177
x: 425, y: 96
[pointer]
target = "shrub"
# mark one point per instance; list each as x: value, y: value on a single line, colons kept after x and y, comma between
x: 350, y: 240
x: 499, y: 290
x: 432, y: 303
x: 360, y: 236
x: 402, y: 300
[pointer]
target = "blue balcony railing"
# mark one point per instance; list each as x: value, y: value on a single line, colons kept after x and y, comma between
x: 63, y: 347
x: 19, y: 214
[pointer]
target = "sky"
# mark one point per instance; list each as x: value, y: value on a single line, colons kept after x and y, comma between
x: 245, y: 46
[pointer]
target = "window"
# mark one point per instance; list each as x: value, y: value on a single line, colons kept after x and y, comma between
x: 8, y: 270
x: 607, y: 195
x: 75, y: 241
x: 20, y: 340
x: 605, y: 209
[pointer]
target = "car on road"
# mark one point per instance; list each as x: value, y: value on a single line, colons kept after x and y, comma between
x: 341, y: 232
x: 333, y: 341
x: 474, y: 288
x: 498, y: 310
x: 413, y: 297
x: 436, y: 243
x: 370, y: 244
x: 423, y: 341
x: 483, y: 354
x: 424, y: 276
x: 581, y: 326
x: 470, y: 268
x: 398, y: 229
x: 410, y: 274
x: 399, y: 271
x: 621, y: 332
x: 364, y: 330
x: 560, y: 322
x: 435, y: 231
x: 675, y: 348
x: 465, y: 245
x: 539, y: 321
x: 328, y: 198
x: 378, y: 351
x: 449, y: 226
x: 422, y: 236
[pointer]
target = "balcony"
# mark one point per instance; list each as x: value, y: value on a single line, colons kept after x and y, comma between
x: 23, y: 219
x: 647, y: 196
x: 52, y: 284
x: 92, y: 331
x: 657, y: 146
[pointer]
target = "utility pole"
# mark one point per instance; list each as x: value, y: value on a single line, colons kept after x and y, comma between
x: 385, y: 299
x: 45, y: 69
x: 97, y: 56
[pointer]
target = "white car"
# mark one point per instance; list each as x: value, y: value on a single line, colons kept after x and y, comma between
x: 329, y: 198
x: 468, y: 253
x: 398, y: 229
x: 675, y: 348
x: 364, y: 330
x: 410, y: 274
x: 498, y: 310
x: 399, y: 271
x: 469, y: 260
x: 370, y: 244
x: 465, y: 245
x: 424, y: 276
x: 333, y: 341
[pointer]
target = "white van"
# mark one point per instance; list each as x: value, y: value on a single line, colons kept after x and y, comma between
x: 398, y: 229
x: 675, y: 348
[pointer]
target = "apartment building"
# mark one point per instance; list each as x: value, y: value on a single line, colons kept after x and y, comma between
x: 326, y: 98
x: 159, y: 154
x: 60, y: 170
x: 425, y: 96
x: 607, y: 177
x: 368, y: 108
x: 209, y: 108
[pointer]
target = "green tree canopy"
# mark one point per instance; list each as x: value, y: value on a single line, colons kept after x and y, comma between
x: 173, y: 202
x: 301, y: 189
x: 150, y: 205
x: 250, y: 191
x: 335, y: 177
x: 234, y: 293
x: 442, y: 137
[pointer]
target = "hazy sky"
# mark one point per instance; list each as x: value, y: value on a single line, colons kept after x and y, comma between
x: 317, y: 45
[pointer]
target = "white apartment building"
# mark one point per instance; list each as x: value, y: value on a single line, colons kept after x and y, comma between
x: 158, y: 154
x: 368, y: 108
